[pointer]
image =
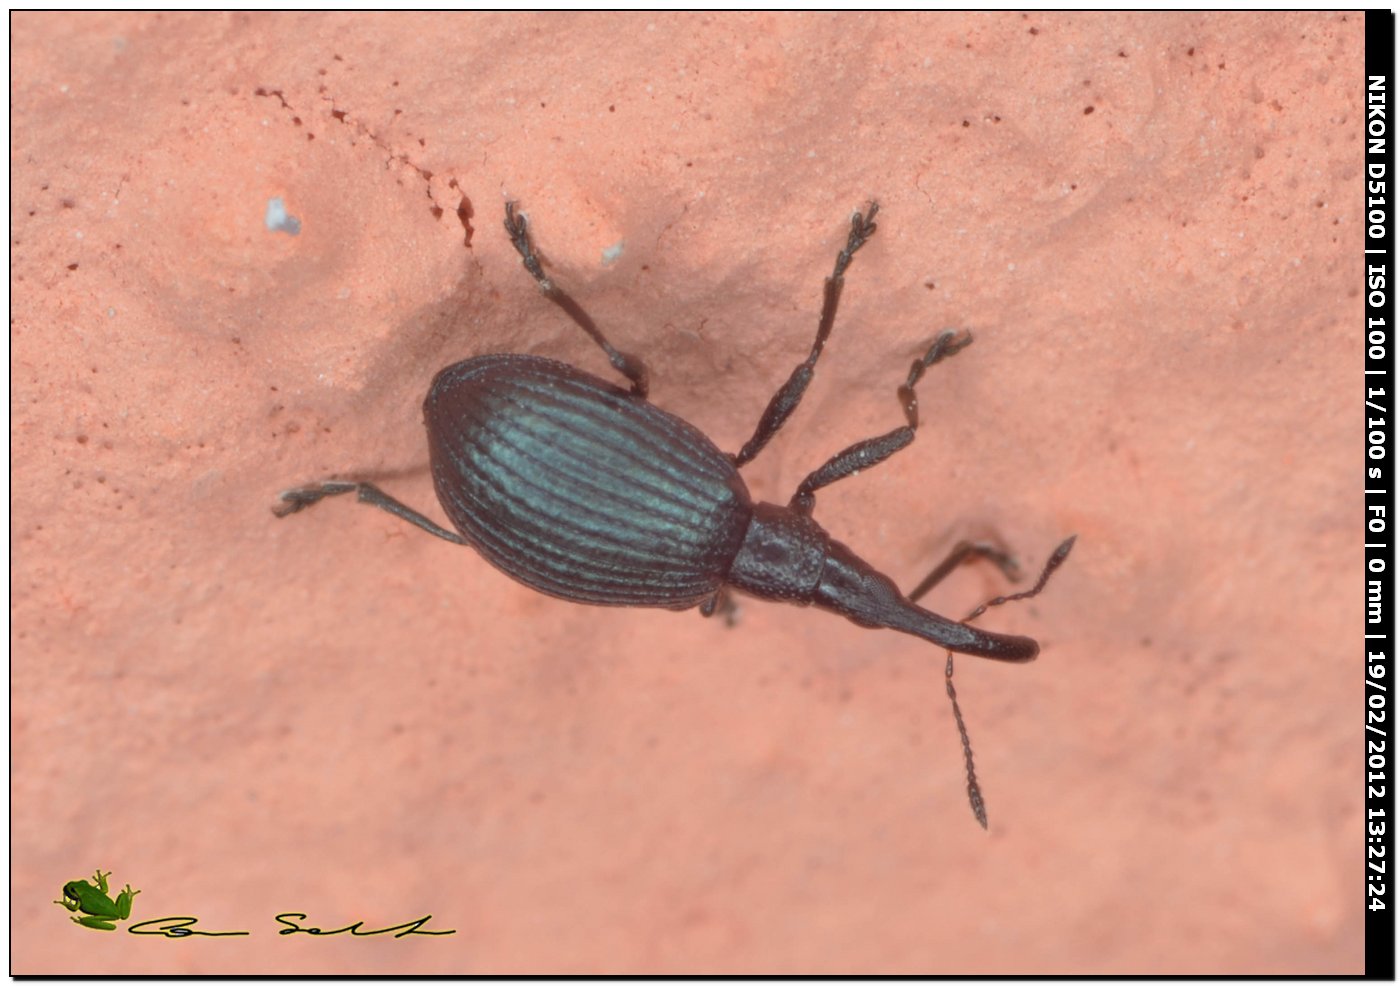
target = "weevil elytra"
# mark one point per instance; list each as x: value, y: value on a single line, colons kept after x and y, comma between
x: 588, y: 492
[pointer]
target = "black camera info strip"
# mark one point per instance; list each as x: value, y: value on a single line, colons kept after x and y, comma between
x: 1382, y: 869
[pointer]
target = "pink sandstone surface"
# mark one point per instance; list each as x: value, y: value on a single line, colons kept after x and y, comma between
x: 1151, y: 223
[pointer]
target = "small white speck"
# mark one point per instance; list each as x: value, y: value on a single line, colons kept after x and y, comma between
x: 277, y: 220
x: 111, y: 313
x: 77, y: 234
x: 63, y: 88
x: 1010, y: 266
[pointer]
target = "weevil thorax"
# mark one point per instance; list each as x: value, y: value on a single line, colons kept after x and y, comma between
x: 781, y: 556
x: 788, y: 556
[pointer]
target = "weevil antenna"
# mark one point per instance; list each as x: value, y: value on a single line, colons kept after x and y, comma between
x: 1056, y: 559
x: 974, y: 789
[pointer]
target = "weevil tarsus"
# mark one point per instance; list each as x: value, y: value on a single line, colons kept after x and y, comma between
x: 872, y: 451
x: 721, y: 604
x: 306, y: 496
x: 631, y: 367
x: 789, y: 395
x: 947, y: 344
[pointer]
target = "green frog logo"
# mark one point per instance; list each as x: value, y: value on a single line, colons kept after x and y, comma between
x: 98, y: 909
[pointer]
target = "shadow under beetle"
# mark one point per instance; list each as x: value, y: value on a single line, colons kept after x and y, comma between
x: 588, y: 492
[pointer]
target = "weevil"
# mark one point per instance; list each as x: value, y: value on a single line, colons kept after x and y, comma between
x: 587, y: 491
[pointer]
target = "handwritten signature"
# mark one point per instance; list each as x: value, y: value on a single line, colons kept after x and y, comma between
x: 182, y: 926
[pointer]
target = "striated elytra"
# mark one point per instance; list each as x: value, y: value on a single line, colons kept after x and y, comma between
x: 588, y: 492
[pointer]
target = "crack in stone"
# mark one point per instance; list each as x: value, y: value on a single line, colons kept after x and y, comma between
x: 463, y: 210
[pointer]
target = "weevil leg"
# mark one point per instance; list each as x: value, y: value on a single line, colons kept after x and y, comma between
x: 723, y: 603
x: 873, y: 451
x: 628, y: 365
x: 789, y: 395
x: 962, y: 553
x: 306, y: 496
